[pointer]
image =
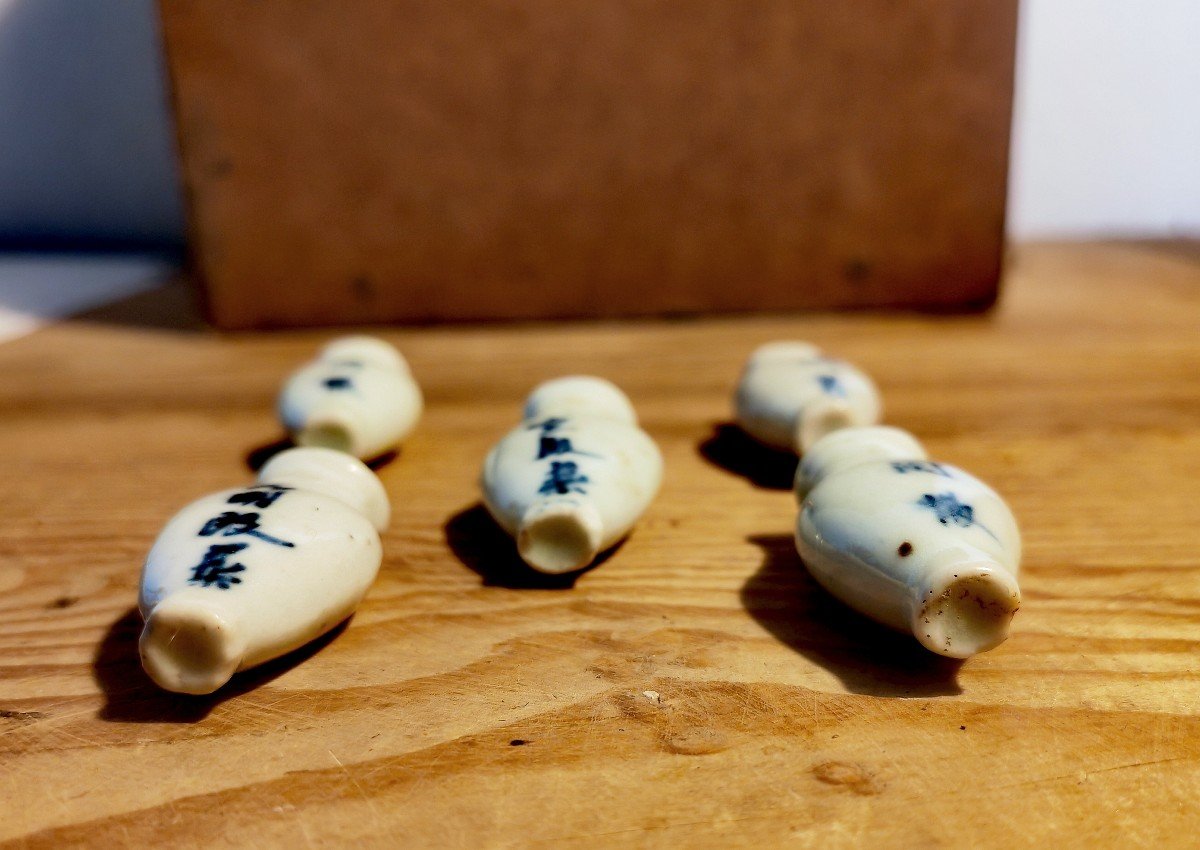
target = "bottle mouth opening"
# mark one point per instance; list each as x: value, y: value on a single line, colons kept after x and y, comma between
x: 817, y: 423
x: 968, y: 612
x: 560, y: 539
x: 327, y: 434
x: 189, y: 649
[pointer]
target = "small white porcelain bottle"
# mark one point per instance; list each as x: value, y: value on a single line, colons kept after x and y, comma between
x: 245, y: 575
x: 574, y: 477
x: 790, y: 395
x: 917, y: 545
x: 358, y: 396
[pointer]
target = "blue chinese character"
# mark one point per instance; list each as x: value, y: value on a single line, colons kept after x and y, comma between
x: 231, y: 524
x: 949, y: 509
x: 549, y: 444
x: 260, y: 496
x: 564, y: 477
x: 213, y: 569
x: 905, y: 466
x: 831, y: 385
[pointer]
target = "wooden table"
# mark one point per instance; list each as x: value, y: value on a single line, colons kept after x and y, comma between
x: 696, y: 689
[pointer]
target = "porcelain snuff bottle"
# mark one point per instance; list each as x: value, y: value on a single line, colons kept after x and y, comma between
x: 245, y: 575
x: 790, y: 395
x: 358, y: 396
x: 918, y: 545
x: 574, y: 477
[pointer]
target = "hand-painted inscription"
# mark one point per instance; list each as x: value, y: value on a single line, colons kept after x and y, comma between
x: 564, y: 477
x: 950, y: 511
x: 906, y: 466
x: 831, y: 385
x: 231, y: 524
x: 214, y: 569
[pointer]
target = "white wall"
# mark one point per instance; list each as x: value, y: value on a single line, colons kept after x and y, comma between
x: 85, y: 145
x: 1106, y: 138
x: 1107, y: 135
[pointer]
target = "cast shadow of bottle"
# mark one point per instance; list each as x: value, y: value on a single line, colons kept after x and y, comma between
x: 868, y: 658
x: 257, y: 457
x: 732, y: 449
x: 483, y: 546
x: 130, y: 696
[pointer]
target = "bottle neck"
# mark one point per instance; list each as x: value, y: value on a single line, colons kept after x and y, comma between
x: 560, y: 535
x: 334, y: 474
x: 848, y: 447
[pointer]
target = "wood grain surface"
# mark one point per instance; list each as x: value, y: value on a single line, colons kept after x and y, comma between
x: 696, y: 689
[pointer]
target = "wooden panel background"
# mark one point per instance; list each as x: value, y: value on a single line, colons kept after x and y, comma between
x: 367, y: 160
x: 695, y: 690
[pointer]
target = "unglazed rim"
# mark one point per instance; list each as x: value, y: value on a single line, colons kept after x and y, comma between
x: 188, y: 648
x: 968, y: 611
x: 559, y: 538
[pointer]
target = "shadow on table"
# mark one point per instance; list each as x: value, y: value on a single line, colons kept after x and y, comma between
x: 733, y: 450
x: 130, y: 696
x: 257, y: 458
x: 867, y: 657
x: 482, y: 545
x: 173, y: 306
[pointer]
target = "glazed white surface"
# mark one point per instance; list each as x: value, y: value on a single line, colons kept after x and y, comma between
x: 903, y: 539
x: 608, y: 472
x: 357, y: 396
x: 851, y: 446
x: 579, y: 396
x: 335, y: 474
x: 790, y: 395
x: 204, y: 624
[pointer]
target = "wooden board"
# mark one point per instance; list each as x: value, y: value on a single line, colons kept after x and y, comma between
x: 375, y: 160
x: 696, y: 690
